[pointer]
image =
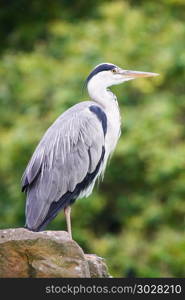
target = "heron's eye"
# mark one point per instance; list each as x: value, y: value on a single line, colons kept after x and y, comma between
x: 114, y: 71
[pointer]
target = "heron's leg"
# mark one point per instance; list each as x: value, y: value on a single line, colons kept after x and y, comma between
x: 67, y: 212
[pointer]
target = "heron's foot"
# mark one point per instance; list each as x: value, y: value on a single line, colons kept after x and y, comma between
x: 70, y: 235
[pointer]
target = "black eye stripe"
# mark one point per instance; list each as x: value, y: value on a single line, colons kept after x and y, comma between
x: 100, y: 68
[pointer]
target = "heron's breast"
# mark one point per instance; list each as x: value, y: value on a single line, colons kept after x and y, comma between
x: 113, y: 129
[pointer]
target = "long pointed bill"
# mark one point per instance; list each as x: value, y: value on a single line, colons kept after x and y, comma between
x: 136, y: 74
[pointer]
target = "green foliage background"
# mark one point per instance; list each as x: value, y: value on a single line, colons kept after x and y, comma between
x: 136, y: 217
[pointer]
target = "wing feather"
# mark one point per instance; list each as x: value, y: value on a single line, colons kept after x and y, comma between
x: 70, y: 149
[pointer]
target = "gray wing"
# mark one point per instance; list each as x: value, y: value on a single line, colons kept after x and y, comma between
x: 70, y: 148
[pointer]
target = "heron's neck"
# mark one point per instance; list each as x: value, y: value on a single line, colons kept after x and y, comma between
x: 102, y: 95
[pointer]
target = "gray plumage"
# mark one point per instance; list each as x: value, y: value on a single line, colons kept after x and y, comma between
x: 69, y: 149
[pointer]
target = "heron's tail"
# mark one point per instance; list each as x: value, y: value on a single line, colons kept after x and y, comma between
x: 56, y: 206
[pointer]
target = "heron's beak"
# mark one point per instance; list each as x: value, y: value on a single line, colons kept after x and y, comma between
x: 136, y: 74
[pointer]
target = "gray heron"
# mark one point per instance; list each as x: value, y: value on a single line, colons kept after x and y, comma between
x: 75, y: 149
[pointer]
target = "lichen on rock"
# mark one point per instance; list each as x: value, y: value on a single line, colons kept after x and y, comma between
x: 24, y: 253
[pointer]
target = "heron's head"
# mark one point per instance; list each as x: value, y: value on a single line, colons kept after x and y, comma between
x: 106, y: 74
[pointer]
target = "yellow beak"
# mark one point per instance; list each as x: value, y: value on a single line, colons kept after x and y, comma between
x: 135, y: 74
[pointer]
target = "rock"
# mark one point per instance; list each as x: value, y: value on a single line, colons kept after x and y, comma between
x: 97, y: 266
x: 24, y: 253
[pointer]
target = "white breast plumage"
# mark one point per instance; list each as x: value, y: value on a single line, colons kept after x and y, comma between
x: 114, y: 127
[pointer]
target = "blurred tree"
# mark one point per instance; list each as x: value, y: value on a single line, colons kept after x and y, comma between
x: 135, y: 218
x: 23, y: 23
